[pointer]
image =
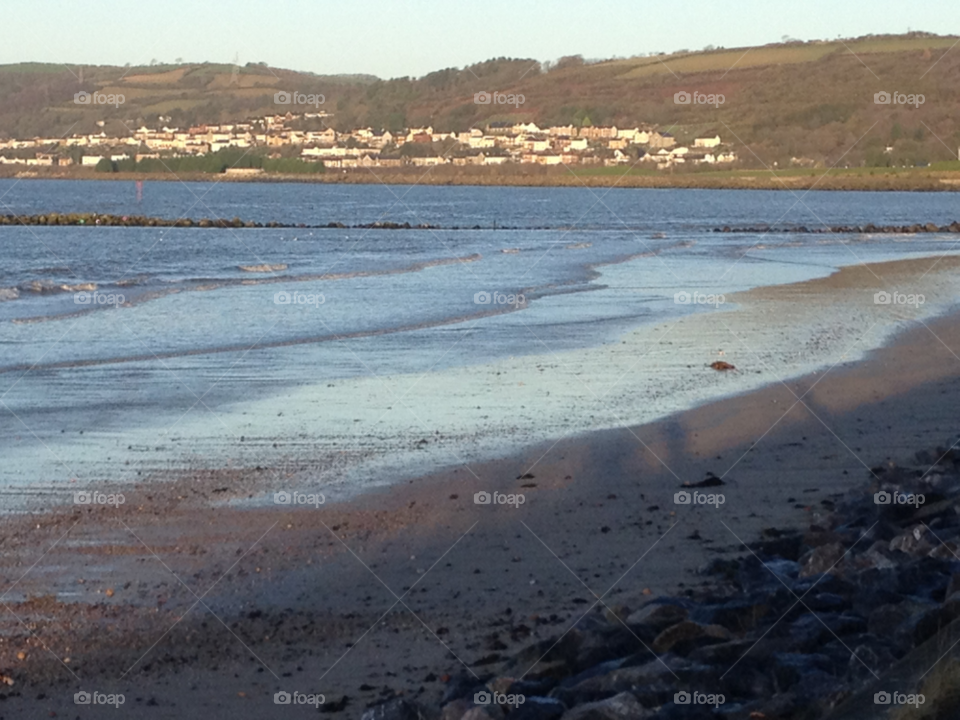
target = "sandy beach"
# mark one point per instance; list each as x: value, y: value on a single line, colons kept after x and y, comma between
x: 185, y: 596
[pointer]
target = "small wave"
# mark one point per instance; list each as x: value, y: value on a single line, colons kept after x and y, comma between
x: 208, y: 284
x: 52, y: 271
x: 578, y: 246
x: 46, y: 287
x: 262, y: 268
x: 10, y: 293
x: 128, y: 282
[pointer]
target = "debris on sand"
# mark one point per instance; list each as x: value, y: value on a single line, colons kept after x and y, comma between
x: 721, y: 366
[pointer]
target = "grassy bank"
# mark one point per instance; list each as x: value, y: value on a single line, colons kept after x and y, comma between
x: 938, y: 177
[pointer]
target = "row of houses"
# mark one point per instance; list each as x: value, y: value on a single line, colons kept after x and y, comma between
x: 496, y: 144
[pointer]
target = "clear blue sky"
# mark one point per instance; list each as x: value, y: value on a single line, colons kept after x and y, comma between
x: 392, y: 38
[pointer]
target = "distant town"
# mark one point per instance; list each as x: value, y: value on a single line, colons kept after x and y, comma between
x: 283, y: 136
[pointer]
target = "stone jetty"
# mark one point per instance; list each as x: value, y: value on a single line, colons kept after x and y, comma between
x: 100, y: 220
x: 869, y: 229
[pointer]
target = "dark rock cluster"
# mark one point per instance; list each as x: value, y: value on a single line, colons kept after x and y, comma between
x: 99, y: 220
x: 869, y: 229
x: 796, y: 626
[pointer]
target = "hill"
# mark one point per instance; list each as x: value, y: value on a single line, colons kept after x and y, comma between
x: 810, y: 103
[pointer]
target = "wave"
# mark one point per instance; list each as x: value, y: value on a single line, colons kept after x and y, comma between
x: 208, y: 284
x: 262, y: 268
x: 246, y: 348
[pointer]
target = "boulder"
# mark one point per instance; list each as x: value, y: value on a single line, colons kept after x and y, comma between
x: 686, y: 635
x: 483, y: 712
x: 913, y: 541
x: 456, y: 710
x: 656, y: 616
x: 396, y: 709
x: 823, y: 559
x: 624, y: 706
x: 539, y: 708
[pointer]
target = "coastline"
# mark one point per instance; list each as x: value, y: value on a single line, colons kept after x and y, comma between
x: 347, y: 436
x: 595, y: 504
x: 861, y: 179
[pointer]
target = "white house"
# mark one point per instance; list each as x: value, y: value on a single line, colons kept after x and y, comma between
x: 482, y: 142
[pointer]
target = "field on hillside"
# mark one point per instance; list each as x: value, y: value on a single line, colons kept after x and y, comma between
x: 813, y: 101
x: 790, y: 54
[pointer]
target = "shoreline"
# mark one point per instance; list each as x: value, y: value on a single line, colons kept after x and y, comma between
x: 911, y: 180
x: 299, y: 586
x: 478, y: 413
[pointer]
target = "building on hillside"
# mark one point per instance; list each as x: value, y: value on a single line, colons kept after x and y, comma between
x: 598, y: 133
x: 661, y: 140
x: 484, y: 141
x: 540, y: 159
x: 430, y: 161
x: 535, y: 144
x: 470, y: 160
x: 526, y: 128
x: 381, y: 139
x: 500, y: 128
x: 707, y: 142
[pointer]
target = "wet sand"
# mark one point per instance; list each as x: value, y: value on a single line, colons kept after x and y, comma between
x: 393, y: 591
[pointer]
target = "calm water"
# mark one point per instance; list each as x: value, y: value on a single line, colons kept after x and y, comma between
x: 201, y: 349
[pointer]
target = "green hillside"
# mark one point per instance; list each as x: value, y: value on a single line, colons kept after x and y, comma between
x: 812, y: 101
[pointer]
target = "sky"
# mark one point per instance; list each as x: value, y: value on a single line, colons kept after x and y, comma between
x: 395, y: 38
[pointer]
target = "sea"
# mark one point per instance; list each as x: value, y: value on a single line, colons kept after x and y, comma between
x: 346, y: 358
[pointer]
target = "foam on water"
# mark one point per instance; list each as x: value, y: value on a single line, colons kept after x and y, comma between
x: 373, y: 428
x: 400, y: 371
